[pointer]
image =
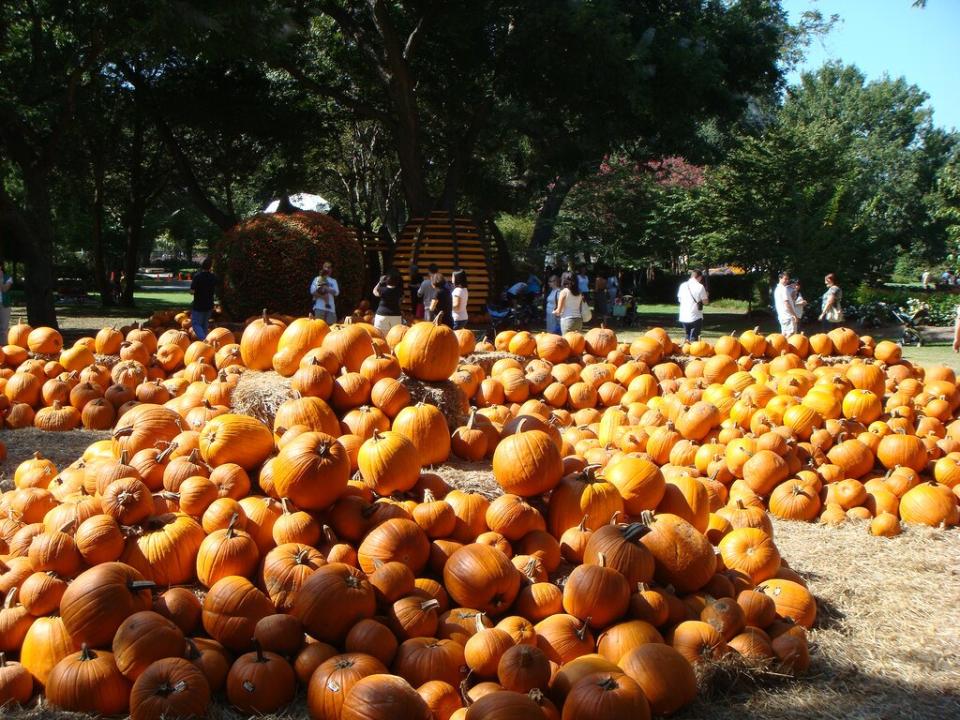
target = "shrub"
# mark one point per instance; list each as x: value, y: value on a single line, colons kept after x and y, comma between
x: 269, y: 260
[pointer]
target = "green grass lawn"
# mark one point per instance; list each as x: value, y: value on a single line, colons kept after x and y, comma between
x: 145, y: 303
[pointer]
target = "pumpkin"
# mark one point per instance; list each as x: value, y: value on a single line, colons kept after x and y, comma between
x: 523, y: 668
x: 98, y: 601
x: 429, y: 351
x: 231, y: 610
x: 384, y: 697
x: 388, y: 463
x: 683, y: 557
x: 16, y: 685
x: 45, y: 643
x: 259, y: 342
x: 420, y: 660
x: 397, y: 539
x: 481, y: 577
x: 605, y: 695
x: 88, y: 681
x: 238, y: 439
x: 425, y: 426
x: 334, y: 679
x: 143, y: 638
x: 331, y: 600
x: 666, y: 678
x: 527, y: 463
x: 792, y: 600
x: 312, y: 470
x: 260, y: 682
x: 171, y: 687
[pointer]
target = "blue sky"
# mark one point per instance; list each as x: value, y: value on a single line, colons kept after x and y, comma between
x: 893, y: 37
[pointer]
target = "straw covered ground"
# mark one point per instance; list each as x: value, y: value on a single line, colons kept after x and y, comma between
x: 885, y: 645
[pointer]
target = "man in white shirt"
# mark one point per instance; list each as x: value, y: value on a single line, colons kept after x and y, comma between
x: 692, y: 296
x: 323, y: 290
x: 785, y: 303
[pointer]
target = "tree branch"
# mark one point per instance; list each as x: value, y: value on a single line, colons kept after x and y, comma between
x: 413, y: 40
x: 361, y: 108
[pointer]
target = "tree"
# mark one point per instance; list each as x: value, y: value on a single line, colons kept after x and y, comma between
x: 47, y: 50
x: 839, y: 182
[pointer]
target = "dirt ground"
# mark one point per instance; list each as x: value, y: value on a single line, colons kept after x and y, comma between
x: 885, y: 644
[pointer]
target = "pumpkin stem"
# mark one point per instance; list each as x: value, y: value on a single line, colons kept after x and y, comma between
x: 135, y: 586
x: 601, y: 560
x: 301, y: 556
x: 582, y: 630
x: 259, y: 651
x: 436, y: 320
x: 582, y: 527
x: 233, y: 521
x: 635, y: 531
x: 479, y: 619
x: 11, y: 598
x: 86, y: 653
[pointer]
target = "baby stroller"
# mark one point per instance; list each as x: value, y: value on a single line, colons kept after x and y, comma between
x: 910, y: 319
x: 501, y: 318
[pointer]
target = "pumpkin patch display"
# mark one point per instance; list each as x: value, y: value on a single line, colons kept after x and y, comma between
x: 202, y: 555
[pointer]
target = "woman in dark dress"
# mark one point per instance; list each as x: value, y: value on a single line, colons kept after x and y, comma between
x: 390, y: 292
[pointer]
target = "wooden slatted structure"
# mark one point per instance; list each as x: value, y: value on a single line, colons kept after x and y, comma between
x: 451, y: 242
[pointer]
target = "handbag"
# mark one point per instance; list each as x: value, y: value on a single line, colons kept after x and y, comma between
x: 834, y: 314
x: 586, y: 312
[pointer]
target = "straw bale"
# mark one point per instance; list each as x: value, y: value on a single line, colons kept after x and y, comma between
x: 260, y: 394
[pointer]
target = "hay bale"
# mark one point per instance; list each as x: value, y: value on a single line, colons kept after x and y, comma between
x: 444, y: 395
x: 260, y: 394
x: 486, y: 360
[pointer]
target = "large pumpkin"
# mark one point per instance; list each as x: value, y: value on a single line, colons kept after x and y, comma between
x: 426, y: 427
x: 332, y: 600
x: 100, y: 599
x: 481, y: 577
x: 527, y: 463
x: 238, y: 439
x: 429, y: 351
x: 312, y: 470
x: 88, y: 681
x: 683, y: 557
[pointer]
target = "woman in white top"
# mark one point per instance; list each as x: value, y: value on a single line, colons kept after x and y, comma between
x: 460, y: 297
x: 692, y: 296
x: 553, y: 323
x: 570, y: 305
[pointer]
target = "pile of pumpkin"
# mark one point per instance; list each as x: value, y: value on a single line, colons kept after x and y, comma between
x: 200, y: 551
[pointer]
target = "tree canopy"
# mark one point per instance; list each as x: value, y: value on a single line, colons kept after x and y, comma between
x: 652, y: 132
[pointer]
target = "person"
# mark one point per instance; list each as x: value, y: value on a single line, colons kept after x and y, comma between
x: 425, y: 293
x: 6, y: 282
x: 534, y: 286
x: 459, y: 297
x: 390, y: 292
x: 442, y: 300
x: 784, y: 300
x: 570, y: 304
x: 831, y: 308
x: 323, y: 290
x: 583, y: 280
x: 692, y: 296
x: 203, y: 287
x: 925, y: 279
x: 956, y: 331
x: 600, y: 297
x: 553, y: 322
x: 613, y: 288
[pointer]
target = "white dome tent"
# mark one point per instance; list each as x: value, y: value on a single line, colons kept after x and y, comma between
x: 301, y: 201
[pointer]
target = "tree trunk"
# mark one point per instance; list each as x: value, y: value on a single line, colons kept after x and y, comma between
x: 99, y: 259
x: 136, y: 209
x: 547, y: 217
x: 38, y: 255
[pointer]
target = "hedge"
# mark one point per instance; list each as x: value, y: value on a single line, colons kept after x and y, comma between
x: 269, y: 260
